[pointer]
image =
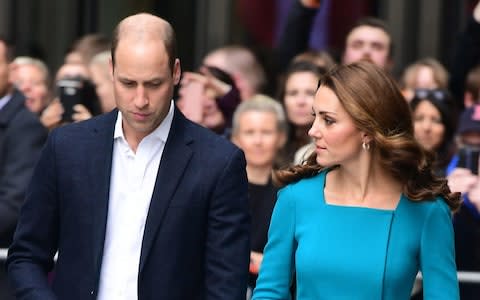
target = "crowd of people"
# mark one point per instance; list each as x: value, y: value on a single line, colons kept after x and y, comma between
x: 157, y: 182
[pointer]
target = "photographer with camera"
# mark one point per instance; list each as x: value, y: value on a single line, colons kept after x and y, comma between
x: 76, y: 97
x: 463, y: 177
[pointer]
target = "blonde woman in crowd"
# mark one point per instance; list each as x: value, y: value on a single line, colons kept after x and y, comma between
x: 259, y: 129
x: 32, y: 78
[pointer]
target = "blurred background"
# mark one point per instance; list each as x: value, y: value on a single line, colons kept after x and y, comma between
x: 45, y: 29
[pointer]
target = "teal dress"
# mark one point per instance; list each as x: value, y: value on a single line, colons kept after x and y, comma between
x: 345, y: 252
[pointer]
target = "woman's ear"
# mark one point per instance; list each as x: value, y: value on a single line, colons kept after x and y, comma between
x: 366, y: 138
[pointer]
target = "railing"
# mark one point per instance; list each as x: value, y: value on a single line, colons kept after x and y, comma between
x: 463, y: 277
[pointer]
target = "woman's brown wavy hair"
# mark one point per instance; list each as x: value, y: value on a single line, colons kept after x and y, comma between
x: 374, y: 102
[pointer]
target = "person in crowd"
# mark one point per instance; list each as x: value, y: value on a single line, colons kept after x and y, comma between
x: 102, y: 79
x: 86, y: 47
x: 259, y: 129
x: 434, y: 122
x: 320, y: 58
x: 463, y: 177
x: 22, y: 137
x: 366, y: 212
x: 242, y: 65
x: 123, y: 198
x: 297, y: 94
x: 369, y: 38
x: 471, y: 95
x: 209, y: 98
x: 425, y: 73
x: 32, y: 78
x: 55, y: 113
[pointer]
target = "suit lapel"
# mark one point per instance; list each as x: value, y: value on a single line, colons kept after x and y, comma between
x: 9, y: 111
x: 100, y: 168
x: 175, y: 158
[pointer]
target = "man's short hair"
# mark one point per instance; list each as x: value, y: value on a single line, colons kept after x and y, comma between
x: 169, y: 41
x: 375, y: 23
x: 9, y: 46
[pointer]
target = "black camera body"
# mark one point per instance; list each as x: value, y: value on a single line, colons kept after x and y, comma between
x: 468, y: 159
x: 77, y: 90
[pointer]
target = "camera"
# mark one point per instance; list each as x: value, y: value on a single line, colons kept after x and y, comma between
x: 77, y: 90
x: 468, y: 159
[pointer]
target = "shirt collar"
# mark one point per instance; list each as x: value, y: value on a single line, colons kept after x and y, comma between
x: 4, y: 100
x: 161, y: 132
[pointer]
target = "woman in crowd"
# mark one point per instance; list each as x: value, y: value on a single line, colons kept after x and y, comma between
x: 297, y: 93
x: 434, y: 120
x: 259, y: 129
x: 366, y: 212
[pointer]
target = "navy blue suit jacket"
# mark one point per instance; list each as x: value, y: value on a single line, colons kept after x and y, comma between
x: 196, y: 238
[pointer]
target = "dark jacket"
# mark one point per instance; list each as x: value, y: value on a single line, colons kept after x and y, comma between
x: 196, y: 237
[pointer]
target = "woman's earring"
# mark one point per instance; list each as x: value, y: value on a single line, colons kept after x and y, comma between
x: 366, y: 146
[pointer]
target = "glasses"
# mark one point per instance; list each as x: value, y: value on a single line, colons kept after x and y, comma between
x: 434, y: 94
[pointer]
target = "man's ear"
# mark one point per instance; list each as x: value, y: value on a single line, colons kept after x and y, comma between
x: 110, y: 63
x: 177, y: 71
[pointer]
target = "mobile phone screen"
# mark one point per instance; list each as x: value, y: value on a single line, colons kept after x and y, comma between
x: 468, y: 158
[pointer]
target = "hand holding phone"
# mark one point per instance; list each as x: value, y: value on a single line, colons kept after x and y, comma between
x: 73, y: 91
x: 468, y: 158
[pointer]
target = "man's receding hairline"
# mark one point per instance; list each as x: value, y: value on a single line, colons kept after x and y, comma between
x: 143, y: 25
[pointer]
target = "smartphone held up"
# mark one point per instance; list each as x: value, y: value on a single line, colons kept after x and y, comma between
x: 76, y: 90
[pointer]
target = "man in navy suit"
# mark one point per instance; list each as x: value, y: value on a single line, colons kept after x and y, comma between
x: 140, y: 203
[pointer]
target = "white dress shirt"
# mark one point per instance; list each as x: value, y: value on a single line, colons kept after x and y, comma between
x: 131, y: 187
x: 4, y: 100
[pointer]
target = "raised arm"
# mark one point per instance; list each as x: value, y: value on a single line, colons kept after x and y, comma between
x: 466, y: 56
x: 295, y: 35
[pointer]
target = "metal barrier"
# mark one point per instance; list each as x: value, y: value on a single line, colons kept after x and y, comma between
x: 463, y: 276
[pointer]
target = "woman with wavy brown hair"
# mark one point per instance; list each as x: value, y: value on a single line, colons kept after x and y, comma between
x: 366, y: 212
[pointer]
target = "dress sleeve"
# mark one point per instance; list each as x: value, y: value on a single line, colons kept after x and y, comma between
x: 276, y: 270
x: 437, y: 254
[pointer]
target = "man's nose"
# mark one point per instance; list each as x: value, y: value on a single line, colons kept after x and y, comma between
x: 141, y: 98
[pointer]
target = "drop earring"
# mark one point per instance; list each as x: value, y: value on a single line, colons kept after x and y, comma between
x: 366, y: 146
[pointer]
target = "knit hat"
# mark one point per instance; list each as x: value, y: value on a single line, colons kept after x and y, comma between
x: 469, y: 120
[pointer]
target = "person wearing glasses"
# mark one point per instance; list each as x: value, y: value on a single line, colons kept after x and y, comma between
x: 434, y: 119
x: 426, y: 73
